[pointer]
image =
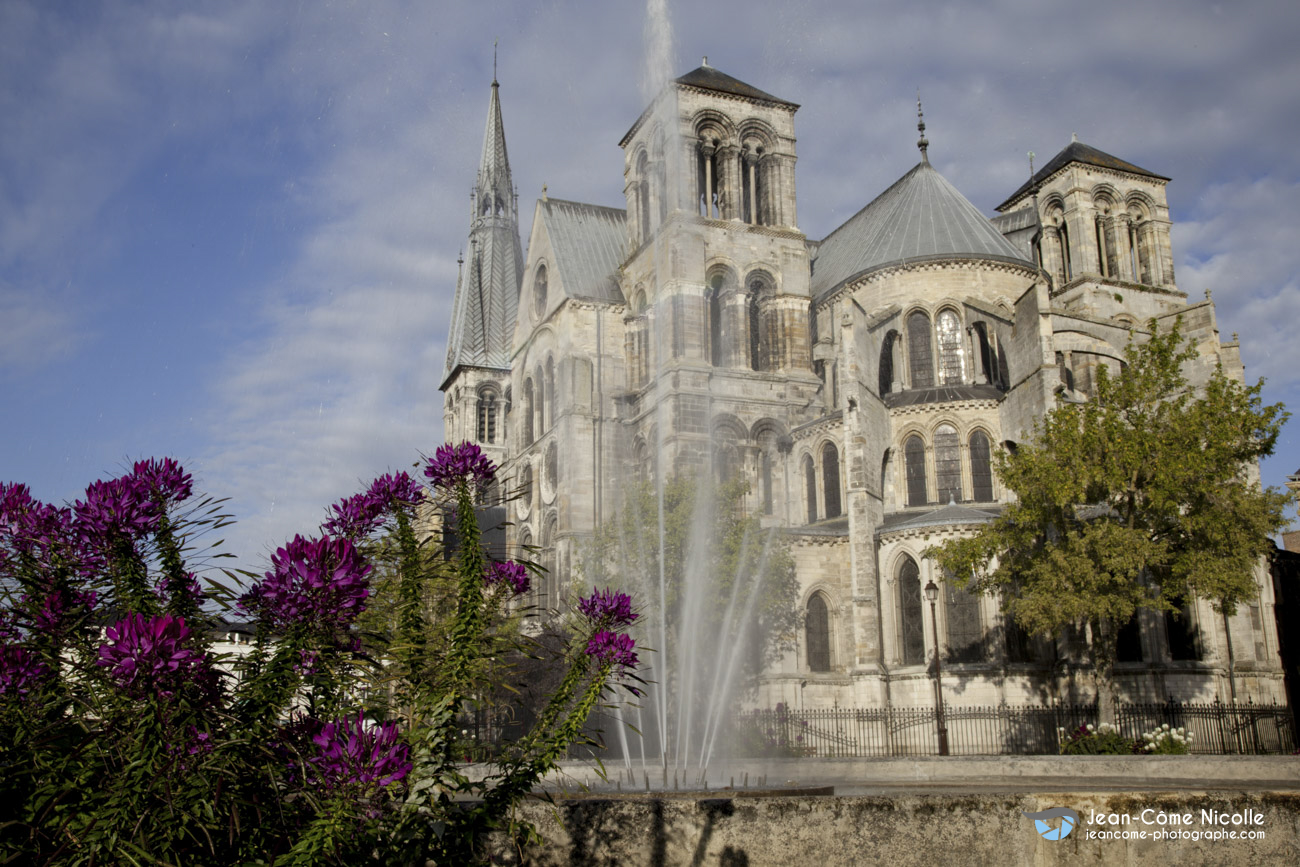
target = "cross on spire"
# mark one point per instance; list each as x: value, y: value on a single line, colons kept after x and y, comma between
x: 923, y: 143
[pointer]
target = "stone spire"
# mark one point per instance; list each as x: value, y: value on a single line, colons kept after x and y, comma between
x: 487, y: 290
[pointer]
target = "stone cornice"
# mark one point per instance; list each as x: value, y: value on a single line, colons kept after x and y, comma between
x: 935, y: 263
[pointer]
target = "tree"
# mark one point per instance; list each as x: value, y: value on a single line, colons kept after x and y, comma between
x: 1143, y: 496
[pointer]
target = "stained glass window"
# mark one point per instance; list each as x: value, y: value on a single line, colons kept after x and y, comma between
x: 912, y: 626
x: 981, y: 473
x: 919, y: 352
x: 965, y: 633
x: 951, y: 356
x: 914, y: 460
x: 817, y: 631
x: 947, y: 464
x: 831, y: 479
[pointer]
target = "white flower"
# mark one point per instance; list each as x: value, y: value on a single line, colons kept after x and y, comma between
x: 1090, y: 728
x: 1165, y: 726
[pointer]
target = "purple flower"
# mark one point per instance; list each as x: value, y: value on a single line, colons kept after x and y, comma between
x: 30, y: 528
x: 149, y: 655
x: 20, y: 671
x: 464, y: 462
x: 359, y: 515
x: 608, y: 608
x: 396, y: 489
x: 354, y: 517
x: 314, y: 583
x: 511, y: 573
x: 164, y: 479
x: 56, y: 608
x: 116, y: 508
x: 350, y: 752
x: 307, y: 661
x: 613, y: 647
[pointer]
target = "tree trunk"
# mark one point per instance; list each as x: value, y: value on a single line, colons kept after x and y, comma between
x: 1103, y: 643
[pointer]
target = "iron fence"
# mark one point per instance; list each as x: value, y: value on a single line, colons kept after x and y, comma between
x: 1217, y: 728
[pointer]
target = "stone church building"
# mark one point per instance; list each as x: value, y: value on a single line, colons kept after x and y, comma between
x: 861, y: 382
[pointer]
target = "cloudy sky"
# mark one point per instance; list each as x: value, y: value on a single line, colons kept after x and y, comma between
x: 229, y: 230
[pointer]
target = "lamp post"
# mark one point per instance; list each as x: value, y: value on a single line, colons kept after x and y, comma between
x: 932, y: 594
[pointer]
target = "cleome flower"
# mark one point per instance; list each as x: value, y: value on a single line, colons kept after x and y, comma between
x: 607, y: 608
x: 148, y: 655
x: 318, y: 584
x: 164, y: 479
x: 20, y: 671
x: 351, y: 752
x: 357, y: 516
x: 612, y: 647
x: 121, y: 507
x: 511, y: 574
x: 453, y: 464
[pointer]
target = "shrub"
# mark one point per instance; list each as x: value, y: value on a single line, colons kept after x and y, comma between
x: 125, y: 739
x: 1099, y: 740
x: 1166, y: 741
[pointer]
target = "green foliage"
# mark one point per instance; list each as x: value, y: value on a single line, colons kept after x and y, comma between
x: 1142, y: 497
x: 149, y: 748
x: 1100, y: 740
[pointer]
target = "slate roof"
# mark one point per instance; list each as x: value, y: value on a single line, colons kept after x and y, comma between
x: 951, y: 515
x: 1076, y: 152
x: 708, y: 78
x: 921, y: 217
x: 487, y: 290
x: 588, y: 244
x: 941, y: 394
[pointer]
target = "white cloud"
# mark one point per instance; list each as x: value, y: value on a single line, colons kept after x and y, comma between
x: 39, y: 329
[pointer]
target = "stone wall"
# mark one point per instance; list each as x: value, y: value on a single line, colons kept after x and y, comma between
x: 948, y: 829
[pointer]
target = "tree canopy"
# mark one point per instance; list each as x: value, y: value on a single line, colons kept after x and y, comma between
x: 1143, y: 496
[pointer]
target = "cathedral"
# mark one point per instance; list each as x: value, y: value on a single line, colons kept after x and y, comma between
x: 860, y: 382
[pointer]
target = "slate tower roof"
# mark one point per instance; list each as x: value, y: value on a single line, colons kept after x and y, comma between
x: 921, y: 217
x: 487, y: 290
x: 1076, y: 152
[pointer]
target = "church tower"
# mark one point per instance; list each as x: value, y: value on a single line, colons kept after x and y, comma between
x: 476, y: 380
x: 720, y: 355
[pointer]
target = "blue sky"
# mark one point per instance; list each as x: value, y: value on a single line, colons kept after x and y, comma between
x: 229, y: 230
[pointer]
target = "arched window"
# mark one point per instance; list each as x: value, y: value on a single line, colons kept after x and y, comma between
x: 487, y: 416
x: 817, y: 633
x: 549, y: 582
x: 914, y: 461
x: 947, y: 464
x: 716, y: 285
x: 886, y: 378
x: 911, y: 623
x: 1181, y: 632
x: 767, y: 448
x: 529, y: 406
x: 988, y: 364
x: 539, y: 291
x: 952, y: 368
x: 552, y: 466
x: 643, y: 196
x: 707, y: 176
x: 981, y: 472
x: 542, y: 399
x: 810, y: 487
x: 920, y: 356
x: 1066, y: 267
x: 526, y: 490
x: 550, y: 392
x: 831, y: 479
x: 965, y: 633
x: 762, y: 339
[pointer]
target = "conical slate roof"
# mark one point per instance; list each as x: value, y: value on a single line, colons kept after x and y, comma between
x: 487, y: 291
x: 920, y: 217
x: 1076, y: 152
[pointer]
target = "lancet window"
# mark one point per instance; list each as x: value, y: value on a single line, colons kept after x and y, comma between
x: 981, y: 472
x: 965, y: 632
x: 920, y: 354
x: 817, y: 633
x: 539, y: 290
x: 947, y: 464
x: 810, y: 487
x: 529, y: 405
x: 886, y: 378
x: 914, y: 464
x: 831, y: 479
x: 487, y: 416
x: 952, y: 368
x: 911, y: 620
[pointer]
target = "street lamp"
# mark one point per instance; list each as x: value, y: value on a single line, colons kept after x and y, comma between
x: 932, y: 593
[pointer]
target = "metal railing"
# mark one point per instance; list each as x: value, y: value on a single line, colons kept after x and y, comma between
x: 1217, y: 728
